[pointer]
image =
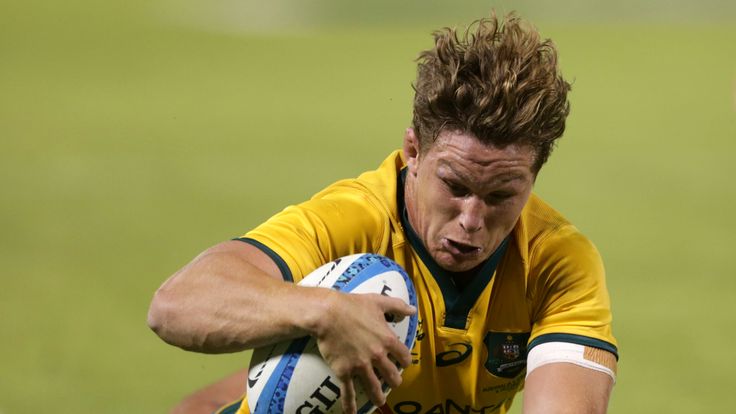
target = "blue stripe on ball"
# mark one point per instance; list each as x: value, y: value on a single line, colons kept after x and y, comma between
x: 355, y: 269
x: 274, y: 392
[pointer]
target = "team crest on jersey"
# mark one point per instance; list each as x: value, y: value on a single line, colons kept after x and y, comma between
x: 510, y: 349
x: 506, y: 353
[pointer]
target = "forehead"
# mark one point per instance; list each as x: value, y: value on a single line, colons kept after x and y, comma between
x: 465, y: 156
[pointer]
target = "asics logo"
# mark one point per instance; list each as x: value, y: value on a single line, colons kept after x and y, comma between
x: 454, y: 356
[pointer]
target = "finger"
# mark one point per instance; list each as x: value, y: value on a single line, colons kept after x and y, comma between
x: 348, y: 396
x: 396, y: 307
x: 399, y: 352
x: 388, y: 371
x: 372, y: 387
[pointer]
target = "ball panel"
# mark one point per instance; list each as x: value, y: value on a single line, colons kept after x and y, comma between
x: 263, y: 362
x: 318, y: 388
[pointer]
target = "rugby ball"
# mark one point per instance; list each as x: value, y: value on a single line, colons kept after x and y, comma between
x: 292, y: 377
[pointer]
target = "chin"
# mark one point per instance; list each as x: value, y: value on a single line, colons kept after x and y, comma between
x: 452, y: 265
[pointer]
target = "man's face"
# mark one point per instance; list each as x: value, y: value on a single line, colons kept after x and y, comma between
x: 464, y: 197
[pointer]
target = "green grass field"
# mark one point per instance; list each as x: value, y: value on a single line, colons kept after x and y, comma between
x: 134, y: 135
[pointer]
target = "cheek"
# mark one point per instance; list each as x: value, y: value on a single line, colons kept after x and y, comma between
x: 444, y: 219
x: 440, y: 205
x: 505, y: 217
x: 435, y: 200
x: 438, y: 211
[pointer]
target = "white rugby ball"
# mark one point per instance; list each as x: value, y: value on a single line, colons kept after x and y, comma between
x: 292, y: 377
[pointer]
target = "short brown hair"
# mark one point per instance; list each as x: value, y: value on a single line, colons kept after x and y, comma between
x: 500, y: 82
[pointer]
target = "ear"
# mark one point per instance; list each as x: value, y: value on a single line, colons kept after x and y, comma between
x: 411, y: 150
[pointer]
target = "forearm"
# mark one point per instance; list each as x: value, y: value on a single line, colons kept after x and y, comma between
x: 222, y: 302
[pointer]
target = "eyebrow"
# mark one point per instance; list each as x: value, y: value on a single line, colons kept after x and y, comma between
x: 508, y: 177
x: 502, y: 179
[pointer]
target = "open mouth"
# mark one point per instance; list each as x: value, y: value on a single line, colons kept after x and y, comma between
x: 463, y: 248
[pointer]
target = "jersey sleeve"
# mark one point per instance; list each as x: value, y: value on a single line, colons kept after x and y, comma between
x: 570, y: 298
x: 341, y: 220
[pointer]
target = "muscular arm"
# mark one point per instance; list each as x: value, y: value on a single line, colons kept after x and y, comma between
x: 566, y: 388
x: 231, y: 298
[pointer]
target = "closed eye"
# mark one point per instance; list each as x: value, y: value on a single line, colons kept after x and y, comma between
x: 498, y: 197
x: 457, y: 190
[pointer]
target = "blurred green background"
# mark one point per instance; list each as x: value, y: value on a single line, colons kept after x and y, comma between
x: 135, y: 134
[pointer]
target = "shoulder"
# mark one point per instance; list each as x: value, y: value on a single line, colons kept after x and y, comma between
x: 545, y: 232
x: 350, y: 216
x: 371, y: 190
x: 556, y: 251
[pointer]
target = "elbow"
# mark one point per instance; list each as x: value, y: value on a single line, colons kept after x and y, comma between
x: 174, y: 321
x: 157, y: 316
x: 163, y: 315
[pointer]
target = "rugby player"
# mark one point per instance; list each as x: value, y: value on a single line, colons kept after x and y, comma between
x: 510, y: 294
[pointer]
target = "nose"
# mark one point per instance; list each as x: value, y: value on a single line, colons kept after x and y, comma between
x: 471, y: 215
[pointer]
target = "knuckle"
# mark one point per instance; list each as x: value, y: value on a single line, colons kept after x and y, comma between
x: 377, y: 354
x: 356, y: 368
x: 388, y: 338
x: 341, y: 373
x: 344, y: 371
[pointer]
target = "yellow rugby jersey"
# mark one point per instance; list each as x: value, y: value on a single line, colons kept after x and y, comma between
x: 545, y: 283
